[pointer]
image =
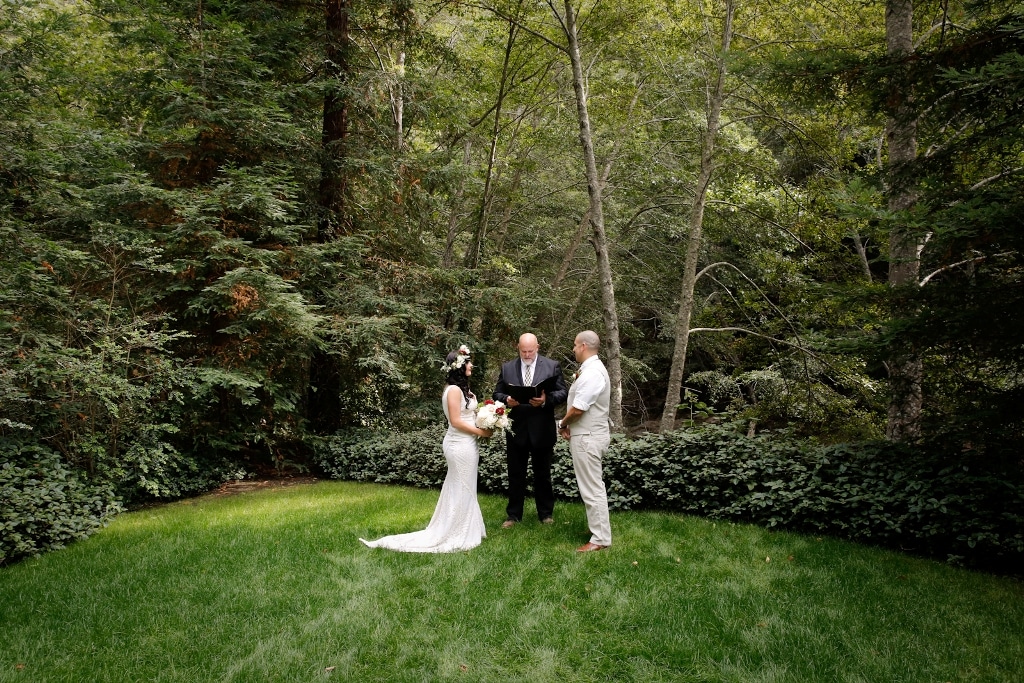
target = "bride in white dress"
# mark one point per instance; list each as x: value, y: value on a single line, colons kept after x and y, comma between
x: 457, y: 523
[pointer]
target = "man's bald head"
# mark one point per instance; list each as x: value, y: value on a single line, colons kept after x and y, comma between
x: 528, y: 347
x: 590, y: 339
x: 586, y: 344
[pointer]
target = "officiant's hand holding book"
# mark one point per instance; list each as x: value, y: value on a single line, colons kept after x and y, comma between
x: 524, y: 394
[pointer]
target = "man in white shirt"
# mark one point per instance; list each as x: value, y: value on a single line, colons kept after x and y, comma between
x: 586, y: 426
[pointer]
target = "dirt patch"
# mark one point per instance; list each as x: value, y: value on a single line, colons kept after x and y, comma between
x: 242, y: 485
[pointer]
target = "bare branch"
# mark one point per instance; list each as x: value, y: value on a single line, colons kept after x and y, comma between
x: 951, y: 266
x: 801, y: 347
x: 763, y: 295
x: 519, y: 24
x: 766, y: 220
x: 981, y: 183
x: 561, y: 22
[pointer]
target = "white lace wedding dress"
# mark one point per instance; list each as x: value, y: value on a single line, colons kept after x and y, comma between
x: 457, y: 523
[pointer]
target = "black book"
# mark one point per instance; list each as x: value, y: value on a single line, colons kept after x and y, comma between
x: 523, y: 393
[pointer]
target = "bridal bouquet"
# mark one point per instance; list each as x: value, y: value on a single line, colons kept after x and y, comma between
x: 493, y: 415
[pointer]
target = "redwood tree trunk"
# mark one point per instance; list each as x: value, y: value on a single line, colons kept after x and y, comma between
x: 323, y: 397
x: 611, y: 345
x: 693, y: 241
x: 905, y: 370
x: 335, y: 118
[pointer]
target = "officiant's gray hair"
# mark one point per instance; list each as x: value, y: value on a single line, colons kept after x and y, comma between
x: 590, y: 339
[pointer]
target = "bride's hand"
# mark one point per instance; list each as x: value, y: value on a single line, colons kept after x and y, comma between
x: 487, y: 433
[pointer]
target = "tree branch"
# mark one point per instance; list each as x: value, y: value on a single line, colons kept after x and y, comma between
x: 766, y: 220
x: 981, y: 183
x: 765, y: 297
x: 756, y: 334
x: 506, y: 17
x: 951, y: 266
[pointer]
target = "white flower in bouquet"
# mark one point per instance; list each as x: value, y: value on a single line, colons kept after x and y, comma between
x: 493, y: 415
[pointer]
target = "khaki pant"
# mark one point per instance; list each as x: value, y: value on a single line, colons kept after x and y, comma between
x: 587, y: 452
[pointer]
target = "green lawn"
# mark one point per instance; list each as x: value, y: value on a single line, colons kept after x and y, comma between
x: 273, y: 586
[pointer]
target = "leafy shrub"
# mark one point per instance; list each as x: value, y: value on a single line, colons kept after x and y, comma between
x: 156, y: 470
x: 43, y: 504
x: 874, y: 492
x: 417, y: 459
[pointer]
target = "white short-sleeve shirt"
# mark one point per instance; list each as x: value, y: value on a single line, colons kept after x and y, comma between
x: 588, y: 386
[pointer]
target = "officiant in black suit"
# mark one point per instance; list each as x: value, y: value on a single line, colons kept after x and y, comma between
x: 533, y: 433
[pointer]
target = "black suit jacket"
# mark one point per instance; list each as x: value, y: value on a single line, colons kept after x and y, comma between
x: 532, y: 427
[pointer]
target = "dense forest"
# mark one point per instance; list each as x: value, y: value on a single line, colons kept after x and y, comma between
x: 233, y: 227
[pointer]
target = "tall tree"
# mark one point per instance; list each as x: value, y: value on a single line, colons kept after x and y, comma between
x: 595, y: 186
x: 716, y: 96
x: 905, y: 368
x: 333, y: 182
x: 967, y: 312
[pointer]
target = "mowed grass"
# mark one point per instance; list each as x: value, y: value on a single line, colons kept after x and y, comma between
x: 273, y: 585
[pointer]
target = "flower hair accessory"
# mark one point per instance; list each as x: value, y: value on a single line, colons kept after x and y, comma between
x: 460, y: 359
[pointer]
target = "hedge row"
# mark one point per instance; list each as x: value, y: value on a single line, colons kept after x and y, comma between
x: 875, y: 492
x: 43, y: 504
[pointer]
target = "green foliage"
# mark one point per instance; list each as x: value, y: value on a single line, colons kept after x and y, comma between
x: 816, y: 397
x: 44, y: 505
x: 150, y: 331
x: 175, y: 309
x: 874, y: 492
x: 962, y: 320
x: 967, y: 317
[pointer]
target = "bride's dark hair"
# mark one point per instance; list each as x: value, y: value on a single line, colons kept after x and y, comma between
x: 457, y: 376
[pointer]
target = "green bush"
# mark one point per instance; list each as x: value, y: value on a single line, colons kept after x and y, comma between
x: 417, y: 459
x: 914, y: 499
x: 43, y: 504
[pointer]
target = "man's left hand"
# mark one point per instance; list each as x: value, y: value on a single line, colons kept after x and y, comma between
x: 538, y: 401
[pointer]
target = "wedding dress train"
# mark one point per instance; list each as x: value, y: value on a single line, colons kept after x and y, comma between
x: 457, y: 523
